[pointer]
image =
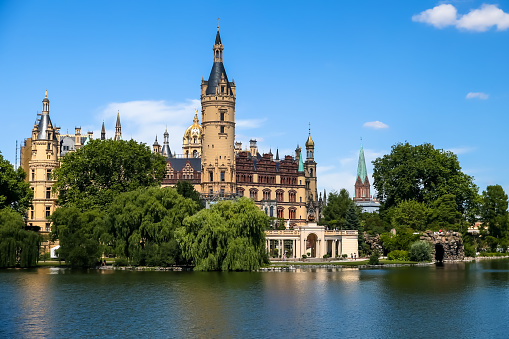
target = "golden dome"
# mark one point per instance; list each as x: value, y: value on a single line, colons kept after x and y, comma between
x: 310, y: 142
x: 195, y: 130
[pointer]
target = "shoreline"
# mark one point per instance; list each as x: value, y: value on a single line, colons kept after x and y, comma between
x: 287, y: 265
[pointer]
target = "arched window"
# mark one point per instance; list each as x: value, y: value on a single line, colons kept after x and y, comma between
x: 292, y: 196
x: 253, y: 194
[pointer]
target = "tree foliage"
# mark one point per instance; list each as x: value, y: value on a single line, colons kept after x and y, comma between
x: 494, y: 213
x: 400, y: 241
x: 420, y: 251
x: 141, y: 225
x: 424, y: 174
x: 18, y: 247
x: 410, y: 214
x: 334, y: 213
x: 15, y: 192
x: 186, y: 189
x: 96, y: 173
x: 78, y: 233
x: 229, y: 237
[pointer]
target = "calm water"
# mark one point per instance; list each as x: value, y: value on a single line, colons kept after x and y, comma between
x: 452, y: 301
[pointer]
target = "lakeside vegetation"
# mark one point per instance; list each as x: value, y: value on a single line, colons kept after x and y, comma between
x: 111, y: 204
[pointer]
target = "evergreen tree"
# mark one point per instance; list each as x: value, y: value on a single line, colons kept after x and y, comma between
x: 352, y: 221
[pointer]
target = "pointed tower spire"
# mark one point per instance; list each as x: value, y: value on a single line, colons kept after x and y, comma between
x: 118, y: 128
x: 362, y: 187
x: 277, y: 154
x: 103, y: 132
x: 362, y: 173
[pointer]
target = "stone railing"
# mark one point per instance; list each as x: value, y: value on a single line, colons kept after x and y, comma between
x: 339, y: 232
x: 282, y: 232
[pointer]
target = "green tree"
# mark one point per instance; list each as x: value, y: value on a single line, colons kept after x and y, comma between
x: 400, y: 241
x: 186, y: 189
x: 494, y: 213
x: 142, y: 225
x: 373, y: 223
x: 352, y: 221
x: 424, y: 174
x: 96, y: 173
x: 15, y: 192
x: 229, y: 237
x: 445, y: 216
x: 79, y: 235
x: 337, y: 206
x: 18, y: 247
x: 410, y: 214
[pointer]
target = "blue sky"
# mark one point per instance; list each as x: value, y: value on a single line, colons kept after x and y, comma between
x: 386, y: 71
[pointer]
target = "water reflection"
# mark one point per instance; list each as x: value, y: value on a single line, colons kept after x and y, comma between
x: 458, y: 300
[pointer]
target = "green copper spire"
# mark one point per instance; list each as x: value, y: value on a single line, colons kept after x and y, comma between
x: 301, y: 163
x: 361, y: 167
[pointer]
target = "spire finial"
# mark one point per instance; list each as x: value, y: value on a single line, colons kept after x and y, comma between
x: 309, y: 123
x: 46, y: 95
x: 218, y: 24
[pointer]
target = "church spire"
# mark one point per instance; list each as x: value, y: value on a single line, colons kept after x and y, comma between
x: 362, y: 173
x: 118, y: 128
x: 362, y: 187
x: 103, y: 132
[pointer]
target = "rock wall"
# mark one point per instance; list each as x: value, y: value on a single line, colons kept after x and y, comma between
x: 450, y: 242
x: 374, y: 242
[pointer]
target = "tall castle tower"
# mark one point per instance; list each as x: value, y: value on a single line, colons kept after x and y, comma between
x: 43, y: 159
x: 310, y: 170
x: 362, y: 187
x: 218, y: 123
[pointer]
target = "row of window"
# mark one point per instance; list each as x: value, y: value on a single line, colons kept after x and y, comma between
x: 48, y: 175
x: 265, y: 179
x: 267, y: 194
x: 292, y: 211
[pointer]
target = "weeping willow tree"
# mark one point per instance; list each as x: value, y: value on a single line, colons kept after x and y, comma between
x: 78, y: 233
x: 141, y: 225
x: 229, y: 237
x: 18, y: 247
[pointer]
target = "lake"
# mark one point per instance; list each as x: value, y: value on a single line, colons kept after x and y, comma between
x: 457, y: 300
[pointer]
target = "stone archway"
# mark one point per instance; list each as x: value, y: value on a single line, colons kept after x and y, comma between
x: 445, y: 245
x: 439, y: 252
x: 311, y: 244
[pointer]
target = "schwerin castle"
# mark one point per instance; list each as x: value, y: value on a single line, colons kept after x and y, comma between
x: 219, y: 168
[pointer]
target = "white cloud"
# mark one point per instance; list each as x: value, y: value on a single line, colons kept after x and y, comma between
x: 143, y: 120
x: 477, y: 95
x: 479, y: 20
x: 461, y: 150
x: 249, y: 123
x: 375, y: 124
x: 482, y: 19
x: 440, y: 16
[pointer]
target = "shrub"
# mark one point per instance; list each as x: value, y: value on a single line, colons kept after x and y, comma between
x: 469, y: 250
x: 120, y: 262
x: 345, y: 256
x: 420, y: 251
x: 304, y: 256
x: 325, y: 256
x: 374, y: 258
x: 398, y: 255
